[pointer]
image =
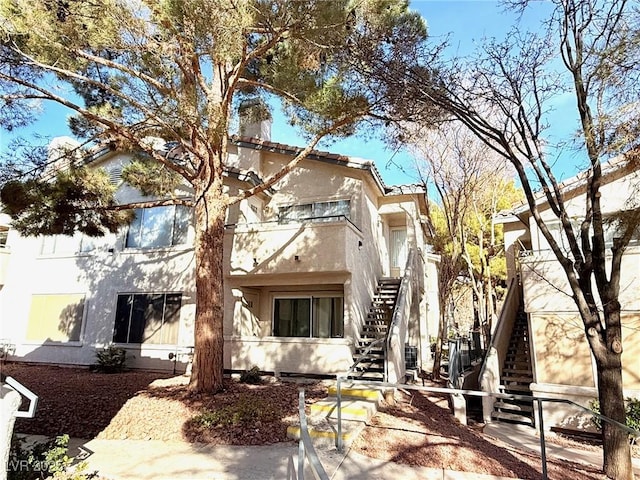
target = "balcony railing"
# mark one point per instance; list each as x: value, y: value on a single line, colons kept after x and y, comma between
x: 322, y: 244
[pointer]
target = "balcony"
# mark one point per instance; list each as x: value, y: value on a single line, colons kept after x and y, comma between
x: 546, y: 288
x: 329, y: 244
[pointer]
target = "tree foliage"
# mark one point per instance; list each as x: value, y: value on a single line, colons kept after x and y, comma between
x: 472, y: 184
x: 588, y: 51
x: 177, y: 70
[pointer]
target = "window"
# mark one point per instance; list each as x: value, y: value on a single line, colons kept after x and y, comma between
x: 159, y: 227
x: 318, y: 211
x: 612, y: 228
x: 151, y: 318
x: 65, y: 244
x: 56, y: 318
x: 319, y: 317
x: 4, y: 233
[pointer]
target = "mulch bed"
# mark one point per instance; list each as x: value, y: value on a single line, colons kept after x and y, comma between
x: 151, y: 406
x: 418, y: 430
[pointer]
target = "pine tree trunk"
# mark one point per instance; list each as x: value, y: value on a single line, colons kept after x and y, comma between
x: 207, y: 370
x: 617, y: 451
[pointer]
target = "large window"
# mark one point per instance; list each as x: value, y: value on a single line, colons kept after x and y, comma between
x: 67, y: 245
x: 159, y: 227
x: 56, y: 318
x: 147, y: 318
x: 317, y: 211
x: 320, y: 317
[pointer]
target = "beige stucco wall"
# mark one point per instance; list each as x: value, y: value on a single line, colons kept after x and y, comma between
x: 546, y: 287
x: 564, y: 367
x: 342, y: 257
x: 562, y: 355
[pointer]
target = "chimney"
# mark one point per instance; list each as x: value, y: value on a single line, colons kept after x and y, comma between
x: 255, y: 119
x: 61, y: 152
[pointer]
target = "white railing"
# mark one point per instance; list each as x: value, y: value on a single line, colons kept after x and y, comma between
x: 24, y: 391
x: 397, y: 335
x: 306, y: 451
x: 497, y: 351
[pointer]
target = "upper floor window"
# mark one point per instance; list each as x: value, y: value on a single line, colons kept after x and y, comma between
x: 611, y: 225
x: 159, y: 227
x: 316, y: 211
x: 4, y: 233
x: 65, y: 244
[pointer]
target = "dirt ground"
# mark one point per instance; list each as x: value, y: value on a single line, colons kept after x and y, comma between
x: 144, y: 405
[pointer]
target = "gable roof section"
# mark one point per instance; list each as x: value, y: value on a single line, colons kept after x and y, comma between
x: 612, y: 170
x: 326, y: 157
x: 170, y: 149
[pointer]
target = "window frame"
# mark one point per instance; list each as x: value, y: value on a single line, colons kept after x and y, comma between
x: 316, y: 210
x: 83, y: 300
x: 312, y: 297
x: 51, y: 245
x: 177, y: 238
x: 149, y: 300
x: 4, y: 236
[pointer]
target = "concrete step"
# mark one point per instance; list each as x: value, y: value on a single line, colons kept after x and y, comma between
x: 521, y: 389
x: 324, y: 431
x: 513, y: 407
x: 520, y: 379
x: 517, y: 371
x: 375, y: 328
x: 371, y: 357
x: 512, y: 417
x: 360, y: 410
x: 360, y: 392
x: 359, y: 404
x: 375, y: 376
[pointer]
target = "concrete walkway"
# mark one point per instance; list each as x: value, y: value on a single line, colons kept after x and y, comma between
x: 153, y: 459
x: 527, y: 438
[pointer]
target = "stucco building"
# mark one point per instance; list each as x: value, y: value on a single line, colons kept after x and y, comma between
x: 539, y: 346
x: 305, y: 270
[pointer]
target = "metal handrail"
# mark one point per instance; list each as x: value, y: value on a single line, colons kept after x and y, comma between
x: 306, y: 451
x: 363, y: 356
x: 315, y: 220
x: 24, y: 391
x: 396, y: 316
x: 510, y: 396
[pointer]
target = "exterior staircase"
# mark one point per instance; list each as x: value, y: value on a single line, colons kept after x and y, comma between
x: 358, y: 405
x: 517, y: 376
x: 371, y: 364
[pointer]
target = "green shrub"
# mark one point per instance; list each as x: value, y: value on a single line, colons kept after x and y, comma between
x: 245, y: 411
x: 632, y: 409
x: 251, y: 376
x: 42, y: 460
x: 111, y: 359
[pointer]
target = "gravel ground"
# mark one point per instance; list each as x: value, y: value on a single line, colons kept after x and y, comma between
x: 418, y: 430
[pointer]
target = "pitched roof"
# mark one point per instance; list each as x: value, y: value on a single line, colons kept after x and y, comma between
x: 611, y: 170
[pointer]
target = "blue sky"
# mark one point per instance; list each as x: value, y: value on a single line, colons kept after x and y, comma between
x: 467, y: 22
